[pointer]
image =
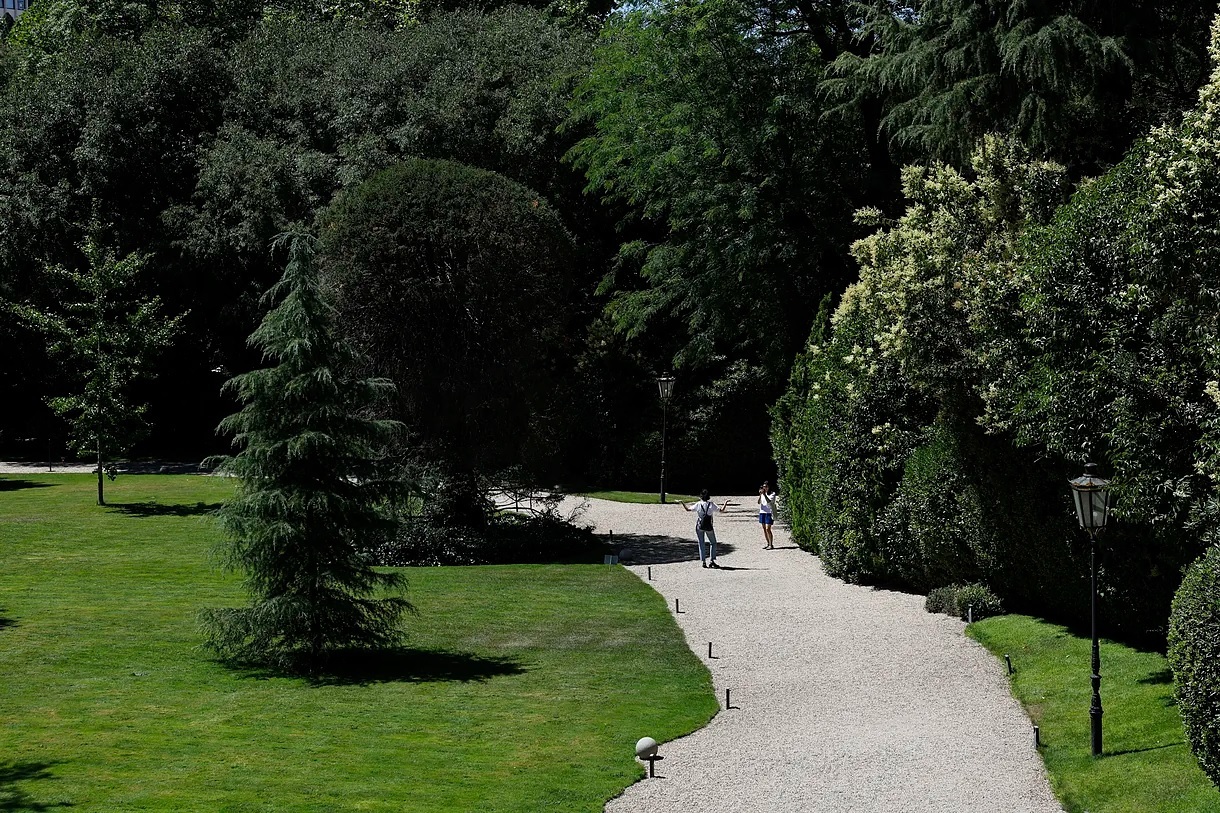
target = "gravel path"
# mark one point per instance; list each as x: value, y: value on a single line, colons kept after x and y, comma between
x: 158, y: 467
x: 845, y: 698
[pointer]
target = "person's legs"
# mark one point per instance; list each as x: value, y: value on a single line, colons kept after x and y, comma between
x: 711, y: 540
x: 767, y: 531
x: 699, y: 535
x: 762, y: 520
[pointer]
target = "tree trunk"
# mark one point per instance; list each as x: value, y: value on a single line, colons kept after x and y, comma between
x: 101, y: 498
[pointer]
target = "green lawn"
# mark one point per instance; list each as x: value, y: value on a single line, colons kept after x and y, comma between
x: 524, y: 688
x: 1146, y: 766
x: 641, y: 497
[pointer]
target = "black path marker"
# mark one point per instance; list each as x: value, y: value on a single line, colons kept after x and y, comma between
x: 676, y: 610
x: 727, y: 703
x: 1037, y: 738
x: 650, y: 574
x: 1008, y: 660
x: 709, y: 651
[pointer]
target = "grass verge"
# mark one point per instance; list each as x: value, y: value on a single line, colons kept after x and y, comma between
x: 1146, y: 766
x: 521, y: 688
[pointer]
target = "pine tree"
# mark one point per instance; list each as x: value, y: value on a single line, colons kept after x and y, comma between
x: 1076, y: 81
x: 309, y: 504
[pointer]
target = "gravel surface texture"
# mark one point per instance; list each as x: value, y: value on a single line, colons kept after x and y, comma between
x: 844, y: 698
x: 157, y: 467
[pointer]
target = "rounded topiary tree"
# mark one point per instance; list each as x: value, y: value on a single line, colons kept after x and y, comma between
x: 1194, y: 654
x: 454, y: 282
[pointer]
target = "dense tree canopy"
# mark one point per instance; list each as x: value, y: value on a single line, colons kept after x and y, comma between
x: 1077, y: 81
x: 671, y: 185
x: 197, y: 144
x: 1082, y: 331
x: 705, y: 125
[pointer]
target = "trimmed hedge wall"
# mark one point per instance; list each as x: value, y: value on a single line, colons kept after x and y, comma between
x: 1194, y: 655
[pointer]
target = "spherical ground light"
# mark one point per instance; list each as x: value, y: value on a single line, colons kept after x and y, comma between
x: 646, y: 749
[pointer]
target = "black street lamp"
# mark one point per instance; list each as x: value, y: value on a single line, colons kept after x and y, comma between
x: 1092, y: 495
x: 665, y: 384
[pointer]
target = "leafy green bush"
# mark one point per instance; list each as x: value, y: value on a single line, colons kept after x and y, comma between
x: 932, y: 426
x: 964, y: 601
x: 887, y: 474
x: 942, y: 600
x: 456, y: 283
x: 1194, y: 655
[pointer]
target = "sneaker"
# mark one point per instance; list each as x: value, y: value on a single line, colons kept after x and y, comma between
x: 713, y: 564
x: 704, y: 564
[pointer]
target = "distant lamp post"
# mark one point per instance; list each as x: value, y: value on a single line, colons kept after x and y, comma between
x: 665, y: 385
x: 1092, y: 495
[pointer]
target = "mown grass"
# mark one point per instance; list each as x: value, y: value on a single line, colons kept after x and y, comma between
x: 521, y: 688
x: 639, y: 497
x: 1146, y: 766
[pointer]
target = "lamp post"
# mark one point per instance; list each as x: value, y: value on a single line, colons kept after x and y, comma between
x: 665, y: 385
x: 1092, y: 495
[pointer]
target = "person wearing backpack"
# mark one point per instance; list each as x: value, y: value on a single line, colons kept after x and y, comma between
x: 704, y: 528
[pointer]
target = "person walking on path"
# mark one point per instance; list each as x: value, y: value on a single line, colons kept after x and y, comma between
x: 766, y: 514
x: 704, y: 509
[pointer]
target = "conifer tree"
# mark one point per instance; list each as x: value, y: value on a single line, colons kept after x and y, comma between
x: 1077, y: 81
x: 309, y: 503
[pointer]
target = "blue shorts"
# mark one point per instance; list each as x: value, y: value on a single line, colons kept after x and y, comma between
x: 766, y: 519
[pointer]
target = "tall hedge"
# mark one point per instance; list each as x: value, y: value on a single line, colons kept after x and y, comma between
x: 1194, y: 654
x: 999, y: 336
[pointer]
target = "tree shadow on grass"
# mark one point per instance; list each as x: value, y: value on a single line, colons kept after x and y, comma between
x: 411, y: 665
x: 155, y: 509
x: 5, y: 623
x: 13, y: 798
x: 1158, y: 677
x: 648, y: 549
x: 17, y: 485
x: 1142, y: 750
x: 404, y: 665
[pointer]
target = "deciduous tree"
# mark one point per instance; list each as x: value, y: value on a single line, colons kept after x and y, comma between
x: 107, y: 334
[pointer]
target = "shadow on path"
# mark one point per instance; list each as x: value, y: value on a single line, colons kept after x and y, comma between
x: 160, y: 467
x: 651, y: 549
x: 154, y: 509
x: 17, y: 485
x: 13, y: 798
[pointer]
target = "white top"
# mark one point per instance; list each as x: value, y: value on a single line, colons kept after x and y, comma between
x: 765, y: 502
x: 708, y: 507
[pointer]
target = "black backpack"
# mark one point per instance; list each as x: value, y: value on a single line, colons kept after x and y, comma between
x: 705, y: 516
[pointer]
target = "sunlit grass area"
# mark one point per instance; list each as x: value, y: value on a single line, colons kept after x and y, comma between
x: 1146, y: 766
x: 520, y: 688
